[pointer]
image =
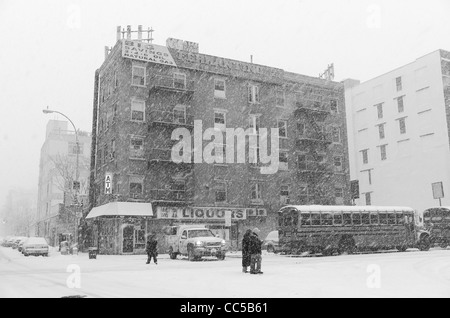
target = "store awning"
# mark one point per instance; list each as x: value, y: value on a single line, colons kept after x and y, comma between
x: 122, y: 209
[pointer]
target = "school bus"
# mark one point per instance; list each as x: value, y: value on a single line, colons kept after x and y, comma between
x: 349, y: 229
x: 437, y: 221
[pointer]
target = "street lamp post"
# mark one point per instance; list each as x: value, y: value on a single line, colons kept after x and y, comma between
x: 48, y: 111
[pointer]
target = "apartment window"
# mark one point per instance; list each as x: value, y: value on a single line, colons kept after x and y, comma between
x: 301, y: 129
x: 256, y: 192
x: 221, y: 193
x: 338, y: 164
x: 253, y: 94
x: 136, y: 185
x: 283, y: 160
x: 339, y: 195
x: 402, y: 125
x: 255, y: 124
x: 279, y: 97
x: 74, y: 149
x: 137, y: 148
x: 379, y: 110
x: 179, y: 189
x: 138, y: 110
x: 179, y: 114
x: 254, y: 156
x: 179, y: 80
x: 369, y: 176
x: 381, y: 131
x: 301, y: 162
x: 365, y: 156
x: 303, y: 197
x: 219, y: 88
x: 398, y: 82
x: 383, y: 152
x: 336, y: 134
x: 220, y: 119
x: 220, y: 151
x: 368, y: 197
x: 282, y: 129
x: 138, y: 76
x: 400, y: 104
x: 284, y: 194
x: 334, y: 106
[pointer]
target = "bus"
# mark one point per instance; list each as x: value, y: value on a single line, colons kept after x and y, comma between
x: 437, y: 222
x: 348, y: 229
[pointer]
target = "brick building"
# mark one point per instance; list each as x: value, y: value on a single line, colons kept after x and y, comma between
x: 144, y: 92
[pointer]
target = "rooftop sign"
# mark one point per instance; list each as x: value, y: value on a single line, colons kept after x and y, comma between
x: 146, y: 52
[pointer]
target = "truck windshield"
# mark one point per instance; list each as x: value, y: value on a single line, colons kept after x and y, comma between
x: 200, y: 233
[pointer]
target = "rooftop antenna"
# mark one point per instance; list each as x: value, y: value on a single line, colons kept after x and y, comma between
x: 328, y: 74
x: 128, y: 34
x: 150, y: 35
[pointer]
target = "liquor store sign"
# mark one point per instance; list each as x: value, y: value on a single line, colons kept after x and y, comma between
x: 205, y: 214
x: 146, y: 52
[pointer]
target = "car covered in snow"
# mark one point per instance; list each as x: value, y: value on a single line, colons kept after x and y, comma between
x: 36, y: 246
x: 271, y: 242
x: 194, y: 241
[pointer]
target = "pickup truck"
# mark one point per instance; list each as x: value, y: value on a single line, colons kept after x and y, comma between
x: 194, y: 241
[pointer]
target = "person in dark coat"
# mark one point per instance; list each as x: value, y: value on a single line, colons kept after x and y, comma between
x: 246, y: 257
x: 152, y: 249
x: 255, y: 249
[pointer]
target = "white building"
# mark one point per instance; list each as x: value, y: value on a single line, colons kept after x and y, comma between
x: 399, y: 133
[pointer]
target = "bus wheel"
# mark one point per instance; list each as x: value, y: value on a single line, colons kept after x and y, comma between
x: 425, y: 243
x: 172, y: 254
x: 347, y: 245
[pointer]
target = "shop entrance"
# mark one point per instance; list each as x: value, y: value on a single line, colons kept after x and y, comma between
x: 128, y: 240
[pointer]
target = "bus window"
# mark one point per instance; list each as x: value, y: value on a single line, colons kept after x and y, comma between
x: 356, y: 218
x: 391, y: 219
x: 294, y: 215
x: 365, y: 218
x: 306, y: 219
x: 347, y: 218
x: 383, y: 219
x: 327, y: 219
x: 338, y: 219
x: 315, y: 219
x: 287, y: 220
x: 374, y: 219
x: 400, y: 219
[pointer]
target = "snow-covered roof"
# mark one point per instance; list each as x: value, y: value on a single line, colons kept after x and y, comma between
x: 329, y: 208
x: 121, y: 209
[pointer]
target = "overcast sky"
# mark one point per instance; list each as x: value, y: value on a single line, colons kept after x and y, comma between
x: 51, y: 49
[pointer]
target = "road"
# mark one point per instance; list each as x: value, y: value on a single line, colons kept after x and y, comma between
x: 409, y: 274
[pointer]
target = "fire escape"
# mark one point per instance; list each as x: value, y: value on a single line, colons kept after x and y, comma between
x: 171, y: 100
x: 312, y: 147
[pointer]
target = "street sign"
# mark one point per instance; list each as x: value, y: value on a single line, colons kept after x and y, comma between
x: 438, y: 190
x: 108, y: 183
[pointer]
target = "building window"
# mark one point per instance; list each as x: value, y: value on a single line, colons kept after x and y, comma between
x: 137, y: 148
x: 179, y: 114
x: 219, y: 88
x: 253, y: 94
x: 301, y: 129
x: 179, y: 80
x: 338, y: 166
x: 220, y: 119
x: 138, y: 76
x: 365, y: 155
x: 282, y: 129
x: 73, y: 149
x: 256, y: 192
x: 137, y: 110
x: 381, y: 131
x: 402, y: 125
x: 136, y: 185
x: 398, y: 82
x: 380, y: 111
x: 334, y: 106
x: 221, y: 193
x: 400, y: 104
x: 301, y: 162
x: 283, y: 160
x: 303, y: 197
x: 336, y: 134
x: 254, y: 124
x: 368, y: 198
x: 179, y: 189
x: 279, y: 97
x: 284, y: 195
x: 383, y: 152
x: 339, y: 195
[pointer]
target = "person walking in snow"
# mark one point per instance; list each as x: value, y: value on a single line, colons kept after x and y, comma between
x: 255, y: 248
x: 246, y: 257
x: 152, y: 249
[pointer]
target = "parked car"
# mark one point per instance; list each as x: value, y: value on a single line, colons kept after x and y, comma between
x: 9, y: 242
x: 36, y: 246
x: 20, y: 245
x: 16, y: 243
x: 271, y: 243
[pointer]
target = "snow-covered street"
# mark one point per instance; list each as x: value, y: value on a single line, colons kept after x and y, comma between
x: 410, y: 274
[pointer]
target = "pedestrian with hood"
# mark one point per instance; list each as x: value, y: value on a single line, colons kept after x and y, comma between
x: 255, y: 249
x: 246, y: 256
x: 152, y: 249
